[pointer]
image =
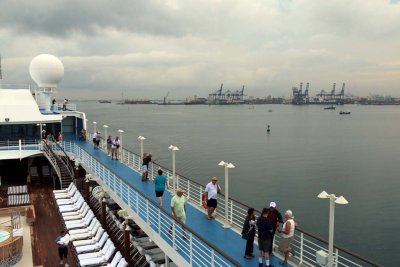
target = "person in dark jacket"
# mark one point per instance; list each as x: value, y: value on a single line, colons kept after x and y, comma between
x: 265, y: 230
x: 275, y: 217
x: 249, y: 230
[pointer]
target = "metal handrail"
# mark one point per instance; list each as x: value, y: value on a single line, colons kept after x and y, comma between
x: 50, y: 156
x: 117, y: 185
x: 64, y: 159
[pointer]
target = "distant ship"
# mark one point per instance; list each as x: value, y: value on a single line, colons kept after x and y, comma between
x: 105, y: 101
x: 330, y: 107
x: 346, y: 112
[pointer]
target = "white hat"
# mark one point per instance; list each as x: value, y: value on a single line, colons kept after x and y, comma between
x: 272, y: 204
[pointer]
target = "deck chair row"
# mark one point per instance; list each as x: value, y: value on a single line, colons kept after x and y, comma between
x: 91, y: 243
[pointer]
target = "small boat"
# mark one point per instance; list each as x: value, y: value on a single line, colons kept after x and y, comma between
x: 346, y: 112
x: 104, y: 101
x: 331, y: 107
x: 269, y: 110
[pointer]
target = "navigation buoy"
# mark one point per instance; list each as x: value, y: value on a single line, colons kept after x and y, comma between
x: 268, y: 129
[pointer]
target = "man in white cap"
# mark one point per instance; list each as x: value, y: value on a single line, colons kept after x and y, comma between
x: 275, y: 217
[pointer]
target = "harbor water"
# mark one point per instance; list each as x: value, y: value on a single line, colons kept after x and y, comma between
x: 308, y: 150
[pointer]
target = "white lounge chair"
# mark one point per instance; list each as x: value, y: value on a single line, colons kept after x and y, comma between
x: 69, y: 194
x: 101, y: 258
x: 92, y: 247
x: 107, y: 246
x: 16, y: 190
x: 86, y: 209
x: 86, y: 235
x: 63, y: 191
x: 76, y: 212
x: 117, y: 258
x: 91, y: 241
x: 122, y: 263
x: 74, y: 207
x: 80, y: 223
x: 69, y: 201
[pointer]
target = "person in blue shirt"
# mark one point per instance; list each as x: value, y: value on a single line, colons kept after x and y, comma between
x: 160, y: 182
x: 62, y: 248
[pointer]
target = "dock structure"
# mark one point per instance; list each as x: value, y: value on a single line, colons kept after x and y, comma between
x: 226, y: 98
x: 323, y: 97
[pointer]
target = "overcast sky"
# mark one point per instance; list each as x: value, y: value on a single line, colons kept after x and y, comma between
x: 147, y: 48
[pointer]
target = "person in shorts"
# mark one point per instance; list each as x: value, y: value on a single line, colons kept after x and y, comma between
x: 160, y: 183
x: 145, y: 166
x: 265, y: 230
x: 178, y: 208
x: 211, y: 191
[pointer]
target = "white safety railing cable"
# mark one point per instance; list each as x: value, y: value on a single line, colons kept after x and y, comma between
x: 305, y: 253
x: 195, y: 249
x: 26, y: 144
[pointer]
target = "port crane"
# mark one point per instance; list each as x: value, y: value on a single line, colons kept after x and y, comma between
x: 165, y: 98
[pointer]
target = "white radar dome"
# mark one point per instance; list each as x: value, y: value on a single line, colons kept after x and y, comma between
x: 46, y: 70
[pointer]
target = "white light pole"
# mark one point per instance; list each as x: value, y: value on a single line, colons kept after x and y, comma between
x: 332, y: 200
x: 173, y: 149
x: 226, y: 166
x: 94, y: 127
x: 120, y: 141
x: 141, y: 138
x: 105, y: 136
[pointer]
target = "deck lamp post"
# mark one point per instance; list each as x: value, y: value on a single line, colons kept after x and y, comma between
x: 226, y: 166
x: 173, y: 149
x: 105, y: 136
x: 332, y: 200
x: 120, y: 142
x: 94, y: 127
x: 141, y: 139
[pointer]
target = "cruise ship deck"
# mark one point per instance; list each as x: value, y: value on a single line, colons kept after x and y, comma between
x: 225, y: 239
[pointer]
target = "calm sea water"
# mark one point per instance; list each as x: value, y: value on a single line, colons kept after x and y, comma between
x: 308, y: 150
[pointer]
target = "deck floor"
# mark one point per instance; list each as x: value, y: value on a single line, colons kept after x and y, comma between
x: 46, y: 228
x: 225, y: 239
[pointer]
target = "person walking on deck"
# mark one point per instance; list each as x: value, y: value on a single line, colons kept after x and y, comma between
x: 160, y: 183
x: 265, y: 230
x: 178, y: 207
x: 62, y: 248
x: 145, y: 166
x: 211, y: 191
x: 249, y: 232
x: 114, y: 148
x: 109, y: 144
x: 275, y: 217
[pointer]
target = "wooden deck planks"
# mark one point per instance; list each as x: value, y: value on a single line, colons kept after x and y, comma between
x: 46, y: 228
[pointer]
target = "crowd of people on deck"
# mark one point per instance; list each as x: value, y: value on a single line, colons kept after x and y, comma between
x: 265, y: 226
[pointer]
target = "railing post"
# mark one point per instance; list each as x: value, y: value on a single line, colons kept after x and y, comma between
x: 231, y: 210
x: 147, y: 212
x: 159, y: 221
x: 188, y: 189
x: 103, y: 213
x: 212, y: 258
x: 127, y: 241
x: 191, y: 249
x: 301, y: 247
x: 336, y: 257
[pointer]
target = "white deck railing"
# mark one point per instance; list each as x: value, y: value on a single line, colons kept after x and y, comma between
x: 305, y: 244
